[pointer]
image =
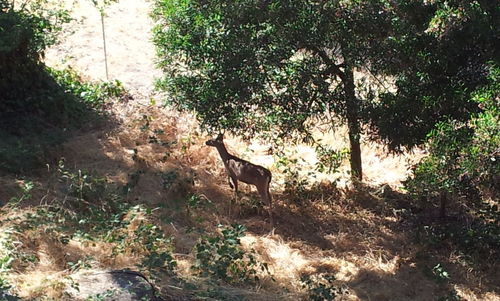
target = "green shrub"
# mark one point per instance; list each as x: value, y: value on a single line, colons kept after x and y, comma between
x: 329, y: 159
x: 7, y: 256
x: 223, y: 258
x: 320, y: 287
x: 90, y: 93
x: 464, y: 155
x: 462, y: 168
x: 38, y: 105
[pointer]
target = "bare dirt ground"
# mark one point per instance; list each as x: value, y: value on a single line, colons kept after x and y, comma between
x: 130, y: 51
x: 359, y: 236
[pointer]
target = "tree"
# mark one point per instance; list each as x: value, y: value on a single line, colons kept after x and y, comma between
x: 253, y: 65
x: 439, y: 52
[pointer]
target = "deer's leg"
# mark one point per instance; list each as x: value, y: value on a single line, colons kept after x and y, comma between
x: 235, y: 183
x: 229, y: 180
x: 266, y: 197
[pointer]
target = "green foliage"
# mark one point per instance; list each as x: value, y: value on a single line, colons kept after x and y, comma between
x: 93, y: 210
x: 107, y: 217
x: 26, y: 188
x: 109, y: 293
x: 320, y: 287
x: 451, y: 296
x: 102, y: 4
x: 28, y: 29
x: 223, y: 258
x: 296, y: 184
x: 7, y: 256
x: 463, y: 167
x: 249, y: 67
x: 196, y: 201
x: 463, y: 155
x: 90, y: 93
x: 439, y: 273
x: 38, y: 104
x: 329, y: 159
x: 158, y: 247
x: 64, y: 104
x: 84, y: 263
x: 438, y: 53
x: 25, y: 32
x: 169, y: 178
x: 267, y: 56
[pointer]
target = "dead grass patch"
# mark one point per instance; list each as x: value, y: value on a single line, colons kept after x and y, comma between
x: 158, y: 157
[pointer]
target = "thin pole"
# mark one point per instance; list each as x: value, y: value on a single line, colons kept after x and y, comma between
x: 104, y: 42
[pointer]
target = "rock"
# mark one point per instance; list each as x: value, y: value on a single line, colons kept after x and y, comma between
x: 116, y: 285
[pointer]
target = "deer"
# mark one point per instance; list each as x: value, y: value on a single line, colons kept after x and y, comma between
x: 241, y: 170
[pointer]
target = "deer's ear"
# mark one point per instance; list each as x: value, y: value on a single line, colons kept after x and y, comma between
x: 220, y: 137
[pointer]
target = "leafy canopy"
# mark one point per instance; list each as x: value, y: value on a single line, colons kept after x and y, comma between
x: 439, y: 53
x: 248, y: 66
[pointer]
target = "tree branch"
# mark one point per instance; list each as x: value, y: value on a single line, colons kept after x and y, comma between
x: 332, y: 68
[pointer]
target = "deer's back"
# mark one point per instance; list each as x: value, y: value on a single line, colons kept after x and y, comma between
x: 248, y: 172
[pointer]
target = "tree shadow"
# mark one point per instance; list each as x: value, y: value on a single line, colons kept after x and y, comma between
x: 162, y: 170
x: 39, y: 110
x: 324, y: 218
x: 419, y: 280
x: 379, y: 224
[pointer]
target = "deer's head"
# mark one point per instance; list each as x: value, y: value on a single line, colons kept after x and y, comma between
x: 217, y: 141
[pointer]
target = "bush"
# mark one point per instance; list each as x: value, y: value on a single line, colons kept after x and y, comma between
x: 320, y: 287
x: 223, y: 258
x: 25, y: 32
x: 464, y: 156
x: 463, y: 166
x: 38, y: 105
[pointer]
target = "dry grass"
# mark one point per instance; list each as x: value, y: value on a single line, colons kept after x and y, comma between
x: 356, y: 235
x: 361, y: 236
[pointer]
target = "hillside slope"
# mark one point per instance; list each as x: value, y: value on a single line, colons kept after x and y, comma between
x: 154, y: 162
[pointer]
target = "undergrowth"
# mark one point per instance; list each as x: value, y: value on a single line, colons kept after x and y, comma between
x: 222, y: 257
x: 320, y: 287
x: 91, y: 211
x: 39, y: 106
x: 27, y: 135
x: 6, y: 257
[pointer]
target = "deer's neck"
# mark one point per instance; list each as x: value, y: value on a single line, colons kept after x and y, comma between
x: 224, y: 154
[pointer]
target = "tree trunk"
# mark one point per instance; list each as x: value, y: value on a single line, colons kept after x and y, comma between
x: 352, y: 106
x: 443, y: 198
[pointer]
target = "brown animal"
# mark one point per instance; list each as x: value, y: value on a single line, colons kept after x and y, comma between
x: 244, y: 171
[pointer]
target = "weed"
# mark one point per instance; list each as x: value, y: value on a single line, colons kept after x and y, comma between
x: 223, y: 258
x: 158, y: 248
x: 7, y: 253
x: 329, y: 159
x: 320, y: 287
x: 440, y: 274
x: 295, y: 183
x: 451, y: 296
x: 81, y: 263
x: 94, y: 211
x: 94, y: 94
x: 169, y: 178
x: 26, y: 188
x: 479, y: 237
x: 132, y: 182
x: 197, y: 201
x: 102, y: 296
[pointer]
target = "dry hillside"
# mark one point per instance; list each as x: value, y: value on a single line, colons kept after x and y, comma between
x: 323, y: 226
